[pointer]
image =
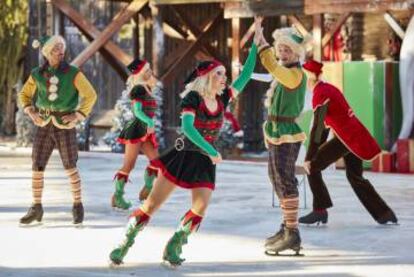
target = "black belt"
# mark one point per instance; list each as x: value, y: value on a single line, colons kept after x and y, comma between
x: 47, y: 112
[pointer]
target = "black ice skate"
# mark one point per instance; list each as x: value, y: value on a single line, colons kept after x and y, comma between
x: 77, y: 212
x: 276, y: 236
x: 35, y: 213
x: 388, y: 217
x: 314, y: 217
x: 289, y: 241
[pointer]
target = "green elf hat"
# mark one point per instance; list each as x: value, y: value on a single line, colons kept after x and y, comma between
x: 40, y: 42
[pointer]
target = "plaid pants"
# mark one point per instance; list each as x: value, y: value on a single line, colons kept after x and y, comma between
x: 282, y: 159
x: 45, y: 140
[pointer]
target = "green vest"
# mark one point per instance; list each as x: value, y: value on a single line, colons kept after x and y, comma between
x: 68, y: 97
x: 286, y: 103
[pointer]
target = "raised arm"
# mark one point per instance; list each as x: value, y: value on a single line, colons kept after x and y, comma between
x: 244, y: 77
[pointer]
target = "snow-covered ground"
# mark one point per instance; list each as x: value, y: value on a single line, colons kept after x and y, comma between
x: 229, y: 242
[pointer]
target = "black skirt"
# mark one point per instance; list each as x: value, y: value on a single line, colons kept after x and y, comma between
x: 135, y: 131
x: 187, y: 169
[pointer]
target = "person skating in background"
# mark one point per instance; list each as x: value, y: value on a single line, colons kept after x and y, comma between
x: 138, y: 134
x: 352, y: 141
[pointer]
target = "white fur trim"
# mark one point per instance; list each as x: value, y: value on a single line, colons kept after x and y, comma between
x: 36, y: 44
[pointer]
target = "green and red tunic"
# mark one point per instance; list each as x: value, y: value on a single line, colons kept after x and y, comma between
x: 191, y: 167
x: 135, y: 130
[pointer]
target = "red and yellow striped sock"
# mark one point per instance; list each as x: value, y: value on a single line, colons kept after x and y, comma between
x: 75, y: 184
x: 290, y: 207
x: 37, y: 186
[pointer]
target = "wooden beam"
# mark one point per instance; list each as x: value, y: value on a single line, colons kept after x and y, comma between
x: 122, y: 17
x: 110, y: 51
x: 185, y: 58
x: 177, y: 27
x: 196, y: 32
x: 247, y: 36
x: 328, y: 36
x: 355, y: 6
x: 317, y: 36
x: 180, y: 2
x: 244, y: 9
x: 392, y: 22
x: 298, y: 25
x: 173, y: 56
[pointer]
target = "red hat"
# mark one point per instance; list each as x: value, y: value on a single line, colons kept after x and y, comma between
x: 202, y: 69
x: 313, y: 66
x: 136, y: 66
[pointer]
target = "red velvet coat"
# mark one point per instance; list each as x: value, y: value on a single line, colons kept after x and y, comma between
x: 343, y: 122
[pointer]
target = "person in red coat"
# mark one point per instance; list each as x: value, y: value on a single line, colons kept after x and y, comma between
x: 351, y: 140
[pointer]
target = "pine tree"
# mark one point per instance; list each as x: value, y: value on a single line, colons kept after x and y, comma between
x: 13, y: 37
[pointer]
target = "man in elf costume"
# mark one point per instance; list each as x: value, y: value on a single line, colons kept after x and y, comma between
x: 283, y: 136
x: 352, y: 141
x: 51, y: 98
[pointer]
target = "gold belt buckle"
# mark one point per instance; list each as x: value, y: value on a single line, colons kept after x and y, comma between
x: 47, y: 112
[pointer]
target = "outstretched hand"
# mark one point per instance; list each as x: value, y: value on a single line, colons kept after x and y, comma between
x: 259, y: 39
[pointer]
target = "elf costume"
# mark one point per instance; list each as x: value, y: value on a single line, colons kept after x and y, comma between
x: 143, y: 105
x: 352, y: 141
x: 54, y: 92
x: 188, y: 164
x: 283, y: 136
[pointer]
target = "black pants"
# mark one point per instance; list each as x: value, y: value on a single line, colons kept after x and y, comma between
x: 327, y: 154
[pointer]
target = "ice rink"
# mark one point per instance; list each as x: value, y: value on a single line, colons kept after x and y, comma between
x: 229, y: 242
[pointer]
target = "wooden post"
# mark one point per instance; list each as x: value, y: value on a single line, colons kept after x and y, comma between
x: 235, y: 60
x: 317, y: 36
x: 136, y: 36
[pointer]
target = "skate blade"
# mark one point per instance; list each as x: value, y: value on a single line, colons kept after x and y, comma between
x: 318, y: 224
x: 31, y: 225
x: 119, y: 210
x: 114, y: 265
x: 166, y: 264
x: 78, y: 225
x: 280, y: 254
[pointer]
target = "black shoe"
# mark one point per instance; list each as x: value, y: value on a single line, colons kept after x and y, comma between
x: 276, y: 236
x: 389, y: 216
x: 289, y: 240
x: 35, y: 212
x: 77, y: 212
x: 314, y: 217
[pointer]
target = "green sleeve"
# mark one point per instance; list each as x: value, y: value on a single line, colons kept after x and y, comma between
x: 139, y: 113
x: 187, y: 126
x: 247, y: 71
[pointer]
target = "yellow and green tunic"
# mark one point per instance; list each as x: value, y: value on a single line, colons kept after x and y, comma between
x: 71, y: 86
x: 286, y: 103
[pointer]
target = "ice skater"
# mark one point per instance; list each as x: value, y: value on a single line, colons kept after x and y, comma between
x: 55, y: 89
x: 191, y: 163
x: 138, y: 134
x: 352, y: 141
x: 283, y: 136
